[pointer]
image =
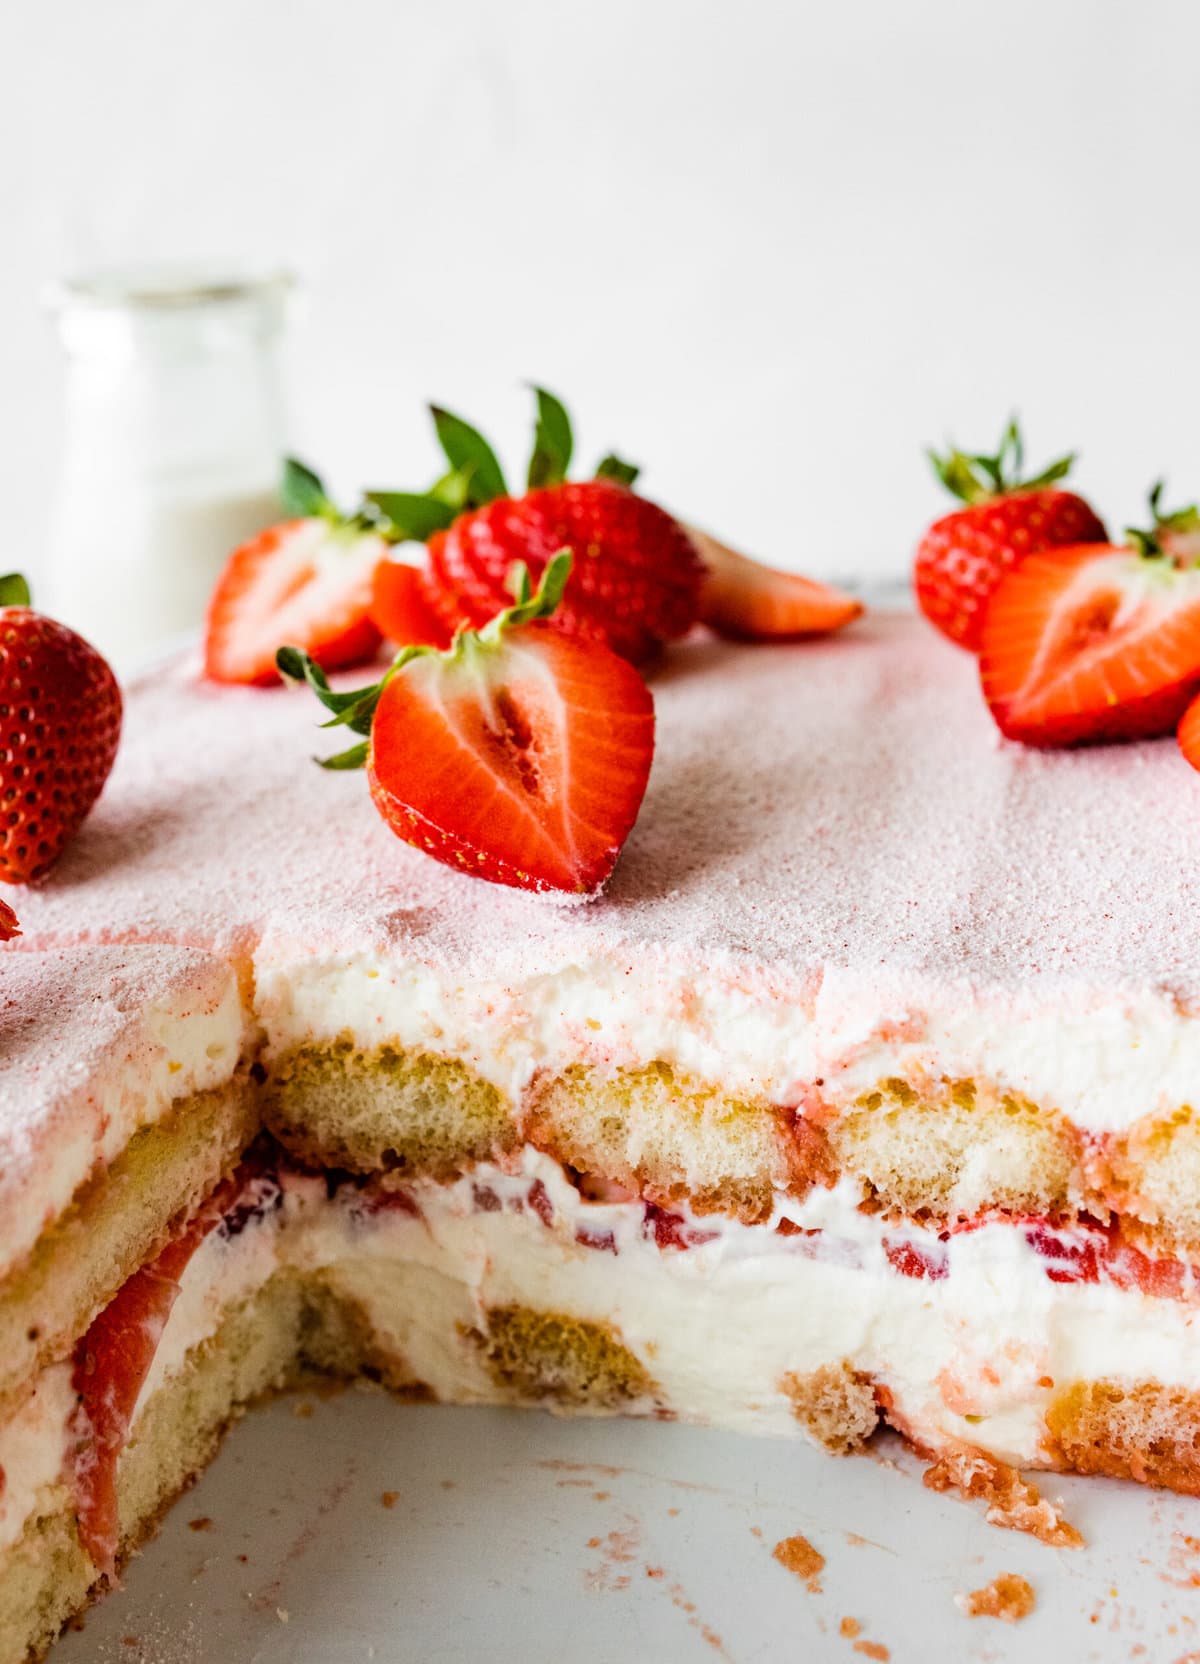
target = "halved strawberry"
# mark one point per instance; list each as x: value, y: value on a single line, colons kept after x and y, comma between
x: 307, y: 580
x: 1189, y: 733
x: 520, y: 756
x: 1093, y: 643
x: 402, y: 609
x: 964, y: 555
x: 9, y: 927
x: 749, y: 602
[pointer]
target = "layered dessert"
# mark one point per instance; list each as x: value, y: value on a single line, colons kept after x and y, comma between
x: 863, y: 1093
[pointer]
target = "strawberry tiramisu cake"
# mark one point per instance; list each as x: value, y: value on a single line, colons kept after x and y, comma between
x: 857, y: 1090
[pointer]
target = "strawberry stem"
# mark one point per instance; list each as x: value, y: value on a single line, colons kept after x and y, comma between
x: 1151, y: 544
x: 409, y: 516
x: 974, y: 477
x: 14, y: 590
x: 303, y: 494
x: 553, y: 442
x: 611, y: 467
x: 469, y: 456
x: 476, y: 478
x: 529, y: 605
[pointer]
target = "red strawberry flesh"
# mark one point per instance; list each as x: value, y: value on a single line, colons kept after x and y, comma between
x: 403, y: 609
x: 746, y: 601
x: 114, y: 1357
x: 305, y: 582
x: 111, y: 1363
x: 1091, y: 644
x: 522, y: 761
x: 1189, y: 733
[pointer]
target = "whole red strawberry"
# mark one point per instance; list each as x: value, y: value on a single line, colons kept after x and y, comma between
x: 636, y: 577
x: 519, y: 755
x: 963, y: 556
x: 60, y: 722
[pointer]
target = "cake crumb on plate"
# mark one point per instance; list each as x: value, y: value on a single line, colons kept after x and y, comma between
x: 1007, y: 1597
x: 797, y: 1555
x: 1012, y: 1502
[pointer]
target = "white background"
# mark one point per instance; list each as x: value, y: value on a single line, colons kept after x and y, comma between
x: 767, y: 249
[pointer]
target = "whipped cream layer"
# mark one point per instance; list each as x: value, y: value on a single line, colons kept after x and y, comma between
x: 972, y: 1333
x: 34, y: 1446
x: 228, y: 1267
x: 840, y: 870
x: 95, y: 1043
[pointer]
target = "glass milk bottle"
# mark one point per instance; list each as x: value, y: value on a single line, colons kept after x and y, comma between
x: 172, y: 450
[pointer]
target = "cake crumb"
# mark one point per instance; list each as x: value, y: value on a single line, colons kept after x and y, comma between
x: 302, y: 1410
x: 203, y: 1523
x: 873, y: 1649
x: 1007, y: 1597
x: 282, y: 1613
x: 849, y: 1628
x: 389, y: 1499
x: 798, y: 1556
x: 1012, y: 1501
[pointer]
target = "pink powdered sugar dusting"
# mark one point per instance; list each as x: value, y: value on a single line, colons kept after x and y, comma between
x: 77, y: 1028
x: 841, y: 806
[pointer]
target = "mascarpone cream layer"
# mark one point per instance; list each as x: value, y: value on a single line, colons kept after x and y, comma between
x: 973, y: 1353
x: 94, y: 1046
x: 1104, y: 1063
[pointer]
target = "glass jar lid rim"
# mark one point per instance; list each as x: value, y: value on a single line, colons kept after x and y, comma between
x: 167, y: 287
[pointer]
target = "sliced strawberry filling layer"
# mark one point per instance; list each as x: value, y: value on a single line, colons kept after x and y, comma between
x: 1086, y: 1252
x: 114, y: 1357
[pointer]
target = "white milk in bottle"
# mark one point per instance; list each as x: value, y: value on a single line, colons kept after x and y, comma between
x: 172, y: 450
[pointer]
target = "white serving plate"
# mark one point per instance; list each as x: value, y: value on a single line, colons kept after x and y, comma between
x: 518, y: 1537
